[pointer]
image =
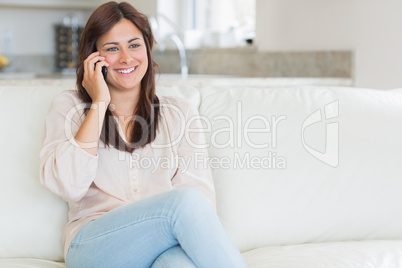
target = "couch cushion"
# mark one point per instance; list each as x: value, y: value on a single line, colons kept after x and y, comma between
x: 330, y: 169
x: 33, y: 219
x: 351, y: 254
x: 30, y: 263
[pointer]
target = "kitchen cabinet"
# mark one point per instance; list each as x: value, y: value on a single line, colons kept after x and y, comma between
x: 71, y: 4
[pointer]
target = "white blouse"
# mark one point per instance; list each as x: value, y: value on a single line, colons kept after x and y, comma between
x: 94, y: 185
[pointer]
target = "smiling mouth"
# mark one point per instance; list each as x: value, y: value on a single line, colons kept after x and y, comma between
x: 126, y: 71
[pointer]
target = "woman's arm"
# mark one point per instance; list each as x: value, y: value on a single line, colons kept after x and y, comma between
x: 66, y: 169
x: 68, y: 158
x: 88, y: 135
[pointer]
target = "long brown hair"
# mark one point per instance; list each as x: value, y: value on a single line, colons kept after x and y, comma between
x: 146, y: 115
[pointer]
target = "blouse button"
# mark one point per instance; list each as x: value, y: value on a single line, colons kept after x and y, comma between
x: 135, y: 189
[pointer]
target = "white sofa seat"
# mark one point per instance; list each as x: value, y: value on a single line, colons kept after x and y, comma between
x: 350, y: 254
x: 29, y: 263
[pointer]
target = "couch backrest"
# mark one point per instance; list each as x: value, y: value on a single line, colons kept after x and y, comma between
x: 330, y: 170
x: 32, y: 219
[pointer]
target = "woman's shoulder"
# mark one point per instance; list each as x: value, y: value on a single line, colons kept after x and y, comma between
x: 70, y: 96
x: 173, y: 101
x: 175, y: 104
x: 67, y: 102
x: 68, y: 99
x: 177, y: 109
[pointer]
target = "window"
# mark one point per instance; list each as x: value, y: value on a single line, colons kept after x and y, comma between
x: 221, y: 23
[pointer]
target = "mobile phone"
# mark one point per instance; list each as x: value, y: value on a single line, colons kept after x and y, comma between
x: 104, y: 72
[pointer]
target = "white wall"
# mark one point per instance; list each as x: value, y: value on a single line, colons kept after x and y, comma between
x: 371, y: 28
x: 148, y: 7
x: 32, y: 29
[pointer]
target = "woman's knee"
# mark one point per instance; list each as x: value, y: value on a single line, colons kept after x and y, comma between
x: 172, y: 258
x: 191, y: 197
x: 191, y: 202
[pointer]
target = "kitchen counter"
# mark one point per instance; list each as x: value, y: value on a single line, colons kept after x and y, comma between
x: 238, y: 61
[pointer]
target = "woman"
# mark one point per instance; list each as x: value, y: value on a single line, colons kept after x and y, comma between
x: 123, y: 214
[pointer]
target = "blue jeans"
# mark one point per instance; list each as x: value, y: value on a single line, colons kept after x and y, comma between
x: 177, y: 228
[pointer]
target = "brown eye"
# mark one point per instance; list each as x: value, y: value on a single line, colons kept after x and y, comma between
x: 112, y: 49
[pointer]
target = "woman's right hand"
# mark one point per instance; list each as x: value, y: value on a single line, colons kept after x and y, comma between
x: 93, y: 81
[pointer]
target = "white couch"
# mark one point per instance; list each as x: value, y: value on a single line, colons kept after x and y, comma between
x: 323, y: 191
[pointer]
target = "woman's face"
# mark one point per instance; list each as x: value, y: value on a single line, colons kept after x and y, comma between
x: 124, y: 49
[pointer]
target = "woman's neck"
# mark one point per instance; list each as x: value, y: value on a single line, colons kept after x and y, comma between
x: 123, y: 103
